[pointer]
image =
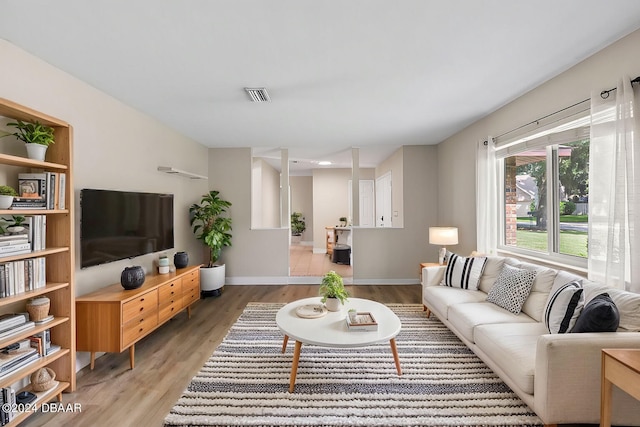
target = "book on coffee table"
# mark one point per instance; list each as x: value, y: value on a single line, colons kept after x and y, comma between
x: 363, y: 321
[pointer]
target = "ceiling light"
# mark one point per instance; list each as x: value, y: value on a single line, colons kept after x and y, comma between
x: 258, y: 94
x: 324, y: 163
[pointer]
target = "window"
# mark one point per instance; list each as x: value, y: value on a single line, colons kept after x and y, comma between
x: 545, y: 193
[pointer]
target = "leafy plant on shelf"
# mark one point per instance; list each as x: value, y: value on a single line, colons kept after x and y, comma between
x: 32, y: 133
x: 332, y: 286
x: 6, y: 190
x: 210, y: 223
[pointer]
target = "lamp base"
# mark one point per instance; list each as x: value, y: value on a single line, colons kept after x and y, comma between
x: 442, y: 255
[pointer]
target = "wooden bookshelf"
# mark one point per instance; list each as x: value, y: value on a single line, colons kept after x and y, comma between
x: 59, y: 259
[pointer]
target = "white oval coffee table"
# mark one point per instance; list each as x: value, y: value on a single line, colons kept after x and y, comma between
x: 331, y: 330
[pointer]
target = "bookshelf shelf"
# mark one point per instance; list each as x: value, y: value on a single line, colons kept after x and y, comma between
x: 59, y: 255
x: 43, y: 396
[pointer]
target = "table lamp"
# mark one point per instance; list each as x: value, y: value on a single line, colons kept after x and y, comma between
x: 443, y: 236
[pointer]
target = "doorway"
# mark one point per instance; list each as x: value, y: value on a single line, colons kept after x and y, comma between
x: 383, y: 201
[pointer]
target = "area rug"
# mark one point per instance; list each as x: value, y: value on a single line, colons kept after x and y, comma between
x: 246, y: 381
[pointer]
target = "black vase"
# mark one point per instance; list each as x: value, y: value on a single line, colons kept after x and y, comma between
x: 132, y: 277
x: 181, y: 259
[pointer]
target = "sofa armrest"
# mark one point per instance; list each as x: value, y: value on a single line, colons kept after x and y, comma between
x: 432, y: 276
x: 567, y: 377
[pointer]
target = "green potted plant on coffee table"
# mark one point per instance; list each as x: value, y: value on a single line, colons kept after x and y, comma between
x: 333, y: 292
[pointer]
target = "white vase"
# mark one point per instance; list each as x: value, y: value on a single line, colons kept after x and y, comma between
x: 333, y: 304
x: 5, y: 201
x: 36, y: 151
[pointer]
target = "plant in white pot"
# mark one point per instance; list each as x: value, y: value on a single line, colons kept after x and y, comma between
x: 36, y: 136
x: 7, y: 194
x: 333, y: 292
x: 297, y: 227
x: 212, y: 225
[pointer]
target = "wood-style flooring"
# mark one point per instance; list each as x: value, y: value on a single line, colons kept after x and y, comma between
x: 114, y: 395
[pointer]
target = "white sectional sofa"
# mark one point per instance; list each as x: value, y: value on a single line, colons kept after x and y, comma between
x: 556, y: 375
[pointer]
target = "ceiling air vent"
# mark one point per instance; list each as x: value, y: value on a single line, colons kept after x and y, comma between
x: 258, y: 94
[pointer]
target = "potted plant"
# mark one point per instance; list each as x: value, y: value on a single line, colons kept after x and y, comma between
x: 333, y: 292
x: 7, y: 194
x: 36, y: 136
x: 16, y: 222
x: 297, y: 226
x: 211, y: 224
x: 343, y: 221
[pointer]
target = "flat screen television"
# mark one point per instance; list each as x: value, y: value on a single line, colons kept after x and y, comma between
x: 116, y: 225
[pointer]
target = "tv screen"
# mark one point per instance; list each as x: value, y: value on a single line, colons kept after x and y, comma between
x: 115, y: 225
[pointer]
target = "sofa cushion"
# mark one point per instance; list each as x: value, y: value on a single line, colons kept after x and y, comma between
x: 512, y: 346
x: 462, y: 272
x: 492, y: 269
x: 512, y: 288
x: 627, y: 303
x: 465, y: 317
x: 599, y: 315
x: 440, y: 298
x: 564, y: 307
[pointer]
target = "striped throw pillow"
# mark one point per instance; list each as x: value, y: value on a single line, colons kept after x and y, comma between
x: 463, y: 272
x: 564, y: 307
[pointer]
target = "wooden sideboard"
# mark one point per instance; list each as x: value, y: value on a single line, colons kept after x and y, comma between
x: 113, y: 319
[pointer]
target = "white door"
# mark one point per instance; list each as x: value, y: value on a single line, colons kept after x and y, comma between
x: 383, y: 200
x: 367, y: 214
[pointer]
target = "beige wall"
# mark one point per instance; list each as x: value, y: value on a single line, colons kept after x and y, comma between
x: 115, y: 147
x: 302, y: 201
x: 256, y: 256
x: 393, y: 255
x: 394, y: 165
x: 456, y: 155
x: 330, y: 202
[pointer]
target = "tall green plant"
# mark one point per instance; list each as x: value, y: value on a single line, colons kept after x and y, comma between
x: 297, y: 224
x: 211, y: 224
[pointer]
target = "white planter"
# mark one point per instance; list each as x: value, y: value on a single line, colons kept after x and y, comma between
x: 333, y: 304
x: 36, y: 151
x: 212, y: 279
x: 5, y: 201
x: 296, y: 239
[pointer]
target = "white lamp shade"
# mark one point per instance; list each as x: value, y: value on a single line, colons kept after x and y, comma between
x: 443, y: 235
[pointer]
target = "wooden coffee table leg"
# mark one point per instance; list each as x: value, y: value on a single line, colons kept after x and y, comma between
x: 284, y: 343
x: 396, y: 358
x: 294, y: 366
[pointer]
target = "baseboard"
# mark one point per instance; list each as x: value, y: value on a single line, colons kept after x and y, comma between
x: 386, y: 281
x: 313, y: 280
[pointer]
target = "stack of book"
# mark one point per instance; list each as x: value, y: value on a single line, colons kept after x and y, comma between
x: 14, y: 244
x: 8, y: 396
x: 44, y: 190
x: 13, y: 323
x: 22, y: 275
x: 42, y: 343
x: 16, y: 356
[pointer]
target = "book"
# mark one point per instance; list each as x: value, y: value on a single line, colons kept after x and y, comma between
x: 62, y: 182
x: 49, y: 318
x: 17, y: 329
x: 8, y: 360
x: 10, y: 320
x: 363, y: 321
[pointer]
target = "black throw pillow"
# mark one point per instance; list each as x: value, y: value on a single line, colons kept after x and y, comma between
x: 599, y: 315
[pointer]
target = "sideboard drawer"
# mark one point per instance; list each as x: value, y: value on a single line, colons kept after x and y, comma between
x: 144, y: 303
x: 139, y: 327
x: 168, y: 310
x: 169, y: 292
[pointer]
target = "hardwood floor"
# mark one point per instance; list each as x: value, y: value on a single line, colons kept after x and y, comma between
x: 114, y: 395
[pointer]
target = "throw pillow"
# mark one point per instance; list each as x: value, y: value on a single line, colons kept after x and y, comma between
x: 463, y: 272
x: 512, y: 288
x: 599, y: 315
x: 564, y: 307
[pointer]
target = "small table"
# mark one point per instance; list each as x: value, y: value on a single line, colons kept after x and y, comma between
x: 427, y: 264
x: 331, y: 329
x: 620, y: 367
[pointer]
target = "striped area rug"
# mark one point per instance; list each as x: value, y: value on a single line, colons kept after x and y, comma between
x: 246, y: 381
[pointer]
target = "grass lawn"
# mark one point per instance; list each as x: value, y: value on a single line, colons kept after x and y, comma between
x: 571, y: 242
x: 563, y: 218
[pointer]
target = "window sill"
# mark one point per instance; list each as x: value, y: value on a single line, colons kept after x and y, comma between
x: 579, y: 270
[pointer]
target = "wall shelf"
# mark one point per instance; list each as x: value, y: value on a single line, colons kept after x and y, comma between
x: 173, y: 171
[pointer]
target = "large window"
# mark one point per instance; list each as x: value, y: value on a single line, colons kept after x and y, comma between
x: 545, y: 194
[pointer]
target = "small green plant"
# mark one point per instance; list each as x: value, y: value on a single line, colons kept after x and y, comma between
x: 32, y: 133
x: 6, y: 190
x: 297, y: 224
x: 17, y: 220
x: 333, y: 287
x: 567, y: 207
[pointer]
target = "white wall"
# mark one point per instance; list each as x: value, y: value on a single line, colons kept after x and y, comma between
x: 456, y: 155
x: 394, y: 165
x: 302, y: 201
x: 330, y: 202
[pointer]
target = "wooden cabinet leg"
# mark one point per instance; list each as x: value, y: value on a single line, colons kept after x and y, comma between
x: 132, y: 351
x: 189, y: 312
x: 93, y: 360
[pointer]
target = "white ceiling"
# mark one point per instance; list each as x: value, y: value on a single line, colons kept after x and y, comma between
x: 374, y: 74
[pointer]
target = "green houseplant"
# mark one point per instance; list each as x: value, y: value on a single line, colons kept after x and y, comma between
x: 36, y: 136
x: 7, y: 194
x: 297, y: 224
x: 211, y: 224
x: 332, y: 290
